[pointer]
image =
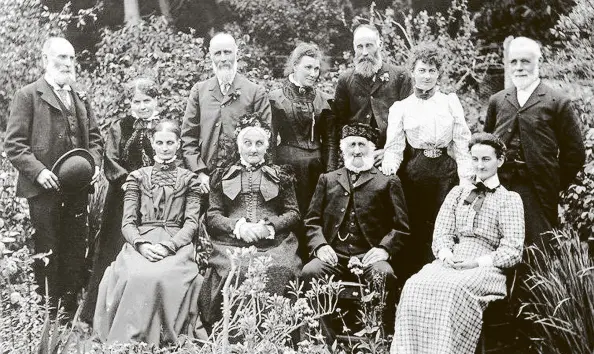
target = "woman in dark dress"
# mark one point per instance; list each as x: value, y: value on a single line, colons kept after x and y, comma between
x: 302, y: 118
x: 127, y: 149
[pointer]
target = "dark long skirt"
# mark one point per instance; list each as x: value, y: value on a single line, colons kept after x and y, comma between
x: 308, y: 166
x: 109, y: 244
x: 426, y: 182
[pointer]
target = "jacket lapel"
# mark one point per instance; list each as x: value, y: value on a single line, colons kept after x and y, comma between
x: 81, y: 116
x: 215, y: 89
x: 365, y: 177
x: 535, y: 97
x: 378, y: 79
x: 343, y: 179
x: 512, y: 97
x: 234, y: 88
x: 47, y: 94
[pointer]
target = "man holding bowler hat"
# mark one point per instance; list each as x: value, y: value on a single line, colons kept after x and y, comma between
x: 52, y: 139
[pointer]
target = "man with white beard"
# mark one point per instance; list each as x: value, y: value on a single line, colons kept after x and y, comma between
x: 365, y: 93
x: 214, y: 108
x: 542, y: 133
x: 357, y: 214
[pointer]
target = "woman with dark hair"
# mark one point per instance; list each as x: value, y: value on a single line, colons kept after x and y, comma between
x: 127, y: 148
x: 428, y: 127
x: 150, y: 292
x: 479, y: 232
x: 304, y: 122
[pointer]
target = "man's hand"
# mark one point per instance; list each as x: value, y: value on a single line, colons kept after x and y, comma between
x: 378, y: 157
x: 147, y: 251
x: 326, y: 254
x: 48, y: 180
x: 376, y: 254
x: 204, y: 182
x: 96, y: 175
x: 465, y: 264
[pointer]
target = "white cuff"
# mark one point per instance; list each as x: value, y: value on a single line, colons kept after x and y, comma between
x: 270, y: 228
x: 485, y: 261
x: 237, y: 226
x: 444, y: 253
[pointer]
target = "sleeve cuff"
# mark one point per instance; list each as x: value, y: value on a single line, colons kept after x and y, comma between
x: 444, y: 253
x: 238, y: 224
x: 139, y: 242
x: 170, y: 245
x: 485, y: 261
x: 270, y: 228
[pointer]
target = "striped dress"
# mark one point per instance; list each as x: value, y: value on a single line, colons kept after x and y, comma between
x: 440, y: 309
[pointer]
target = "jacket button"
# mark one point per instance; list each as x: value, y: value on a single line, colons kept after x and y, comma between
x: 342, y: 209
x: 368, y: 116
x: 337, y: 226
x: 346, y: 193
x: 217, y: 124
x: 509, y: 130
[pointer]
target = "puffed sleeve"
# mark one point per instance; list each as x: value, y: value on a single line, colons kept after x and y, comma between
x: 130, y: 220
x: 460, y: 138
x: 112, y: 164
x: 395, y: 139
x: 511, y: 229
x: 445, y: 224
x: 185, y: 235
x: 288, y: 216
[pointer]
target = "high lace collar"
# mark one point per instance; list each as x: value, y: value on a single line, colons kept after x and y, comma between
x: 250, y: 167
x: 168, y: 165
x: 425, y: 94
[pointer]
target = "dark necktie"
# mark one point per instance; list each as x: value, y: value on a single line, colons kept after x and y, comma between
x: 478, y: 193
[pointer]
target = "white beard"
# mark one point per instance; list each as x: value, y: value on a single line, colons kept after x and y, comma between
x: 367, y: 68
x: 367, y: 163
x: 522, y: 83
x: 225, y: 75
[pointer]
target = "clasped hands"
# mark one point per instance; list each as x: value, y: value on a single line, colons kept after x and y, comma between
x: 154, y: 252
x: 327, y: 254
x: 253, y: 231
x: 452, y: 262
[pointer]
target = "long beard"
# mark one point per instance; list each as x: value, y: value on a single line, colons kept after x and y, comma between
x: 225, y: 74
x: 367, y: 163
x: 368, y: 68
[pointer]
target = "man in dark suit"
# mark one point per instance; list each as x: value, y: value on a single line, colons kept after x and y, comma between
x: 48, y: 118
x: 214, y: 108
x: 542, y: 133
x: 356, y: 212
x: 365, y: 93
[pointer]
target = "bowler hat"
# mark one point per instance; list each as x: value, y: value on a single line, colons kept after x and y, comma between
x: 75, y: 170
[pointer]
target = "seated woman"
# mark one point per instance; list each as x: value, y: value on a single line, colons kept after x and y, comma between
x: 251, y: 204
x: 150, y: 292
x: 478, y: 233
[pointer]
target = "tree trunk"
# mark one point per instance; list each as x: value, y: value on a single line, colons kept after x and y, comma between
x: 165, y: 7
x: 131, y: 12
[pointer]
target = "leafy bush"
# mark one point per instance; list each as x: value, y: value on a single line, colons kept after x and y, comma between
x: 559, y: 296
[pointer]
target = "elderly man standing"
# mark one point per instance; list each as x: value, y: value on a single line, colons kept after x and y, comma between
x: 47, y: 119
x: 542, y: 133
x: 365, y: 93
x: 214, y: 108
x: 356, y: 212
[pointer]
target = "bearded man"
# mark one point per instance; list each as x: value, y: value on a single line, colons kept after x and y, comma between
x: 214, y: 108
x: 359, y: 212
x: 365, y: 93
x: 542, y: 133
x: 48, y: 118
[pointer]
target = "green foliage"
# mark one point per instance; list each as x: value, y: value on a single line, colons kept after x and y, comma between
x: 151, y: 48
x: 26, y: 24
x: 559, y: 296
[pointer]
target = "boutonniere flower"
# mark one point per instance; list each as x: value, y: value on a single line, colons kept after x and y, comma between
x: 82, y: 95
x: 385, y: 77
x: 235, y: 95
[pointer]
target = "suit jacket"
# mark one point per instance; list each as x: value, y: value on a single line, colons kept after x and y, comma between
x: 36, y: 133
x: 210, y: 113
x: 378, y: 202
x: 549, y: 134
x: 358, y: 100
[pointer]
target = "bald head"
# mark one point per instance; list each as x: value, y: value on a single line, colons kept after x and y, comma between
x: 222, y: 40
x: 58, y: 60
x: 366, y: 32
x: 527, y: 45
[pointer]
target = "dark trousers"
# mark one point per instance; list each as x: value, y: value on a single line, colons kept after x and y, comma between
x: 317, y: 269
x: 60, y: 226
x: 537, y: 219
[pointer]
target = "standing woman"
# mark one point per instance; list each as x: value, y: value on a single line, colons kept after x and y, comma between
x: 302, y: 118
x: 430, y: 127
x: 128, y: 148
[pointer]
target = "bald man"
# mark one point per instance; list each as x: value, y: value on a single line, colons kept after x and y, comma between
x: 365, y: 93
x: 542, y: 133
x: 48, y: 118
x: 214, y: 108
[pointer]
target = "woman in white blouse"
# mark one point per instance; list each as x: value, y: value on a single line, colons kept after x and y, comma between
x: 427, y: 144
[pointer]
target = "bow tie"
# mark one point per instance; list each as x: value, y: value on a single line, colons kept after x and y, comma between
x: 478, y: 193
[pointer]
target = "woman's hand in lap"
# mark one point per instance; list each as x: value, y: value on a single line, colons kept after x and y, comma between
x: 147, y: 250
x: 466, y: 264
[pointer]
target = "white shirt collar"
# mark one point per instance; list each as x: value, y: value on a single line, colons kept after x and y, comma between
x: 293, y: 81
x: 491, y: 182
x: 50, y: 80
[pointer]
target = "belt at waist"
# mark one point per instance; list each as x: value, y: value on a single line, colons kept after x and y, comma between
x: 163, y: 223
x: 432, y: 153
